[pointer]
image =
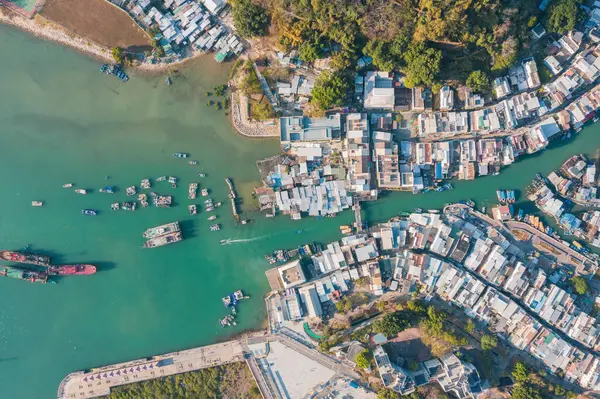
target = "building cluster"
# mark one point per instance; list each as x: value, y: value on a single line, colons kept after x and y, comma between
x: 185, y: 24
x: 462, y: 259
x: 452, y: 374
x: 574, y: 182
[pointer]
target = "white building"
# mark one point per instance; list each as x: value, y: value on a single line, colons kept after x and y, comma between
x: 379, y: 91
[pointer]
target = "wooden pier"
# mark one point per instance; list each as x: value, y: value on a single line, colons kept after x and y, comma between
x: 232, y: 197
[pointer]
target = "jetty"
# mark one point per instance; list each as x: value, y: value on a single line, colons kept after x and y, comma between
x: 232, y: 197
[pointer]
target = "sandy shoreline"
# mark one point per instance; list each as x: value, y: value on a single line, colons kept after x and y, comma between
x: 48, y: 30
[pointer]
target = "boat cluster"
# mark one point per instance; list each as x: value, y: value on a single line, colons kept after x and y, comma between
x: 114, y: 70
x: 506, y: 196
x: 281, y: 256
x: 230, y: 302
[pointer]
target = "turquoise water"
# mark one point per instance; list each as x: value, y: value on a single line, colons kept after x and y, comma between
x: 27, y: 5
x: 62, y: 121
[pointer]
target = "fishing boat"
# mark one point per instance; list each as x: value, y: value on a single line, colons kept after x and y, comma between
x: 510, y: 196
x: 483, y: 209
x: 202, y: 174
x: 115, y: 206
x: 145, y: 183
x: 161, y: 230
x: 192, y: 209
x: 129, y: 206
x: 72, y: 270
x: 22, y: 274
x: 218, y: 204
x: 246, y: 221
x: 204, y: 192
x: 68, y: 185
x: 130, y: 191
x: 448, y: 186
x: 501, y: 194
x: 162, y: 178
x: 470, y: 203
x: 108, y: 190
x: 213, y: 217
x: 162, y: 201
x: 193, y: 187
x: 418, y: 210
x: 166, y: 239
x: 37, y: 203
x: 215, y: 227
x: 193, y: 162
x: 81, y: 191
x: 143, y: 198
x: 168, y: 81
x: 18, y: 257
x: 180, y: 155
x: 89, y: 212
x: 103, y: 68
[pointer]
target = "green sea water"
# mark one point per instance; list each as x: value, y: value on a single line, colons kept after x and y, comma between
x: 62, y: 121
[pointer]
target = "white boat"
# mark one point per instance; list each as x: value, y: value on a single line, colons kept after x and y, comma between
x: 213, y: 217
x: 68, y: 185
x: 215, y: 227
x: 37, y: 203
x: 192, y: 209
x: 81, y: 191
x: 202, y: 174
x: 204, y: 192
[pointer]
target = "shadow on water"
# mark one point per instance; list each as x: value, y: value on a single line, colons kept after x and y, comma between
x: 188, y: 228
x: 102, y: 266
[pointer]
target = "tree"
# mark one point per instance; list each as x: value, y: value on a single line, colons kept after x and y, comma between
x: 381, y: 306
x: 330, y: 90
x: 386, y: 393
x: 520, y: 372
x: 523, y: 391
x: 478, y: 81
x: 579, y: 285
x: 422, y: 65
x: 379, y: 50
x: 563, y: 16
x: 118, y: 54
x: 363, y: 359
x: 309, y: 51
x: 250, y: 19
x: 390, y: 324
x: 488, y: 342
x: 470, y: 327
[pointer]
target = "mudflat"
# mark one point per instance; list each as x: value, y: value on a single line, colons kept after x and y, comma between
x: 98, y: 21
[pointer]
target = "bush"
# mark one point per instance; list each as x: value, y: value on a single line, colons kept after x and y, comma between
x: 330, y: 90
x: 391, y: 324
x: 363, y: 359
x: 118, y: 54
x: 579, y: 285
x: 478, y: 81
x: 563, y: 16
x: 488, y: 342
x: 520, y: 372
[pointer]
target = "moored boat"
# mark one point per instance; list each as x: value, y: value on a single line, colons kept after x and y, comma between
x: 22, y: 274
x: 128, y: 206
x: 145, y: 183
x: 81, y: 191
x: 162, y: 178
x: 204, y: 192
x: 68, y: 185
x: 180, y: 155
x: 501, y: 194
x: 40, y: 260
x: 115, y: 206
x: 192, y: 209
x: 37, y: 203
x: 192, y: 190
x: 108, y: 190
x: 215, y: 227
x: 161, y: 230
x: 72, y: 270
x: 193, y: 162
x: 130, y: 191
x: 168, y: 81
x: 213, y: 217
x: 89, y: 212
x: 164, y: 240
x: 202, y: 174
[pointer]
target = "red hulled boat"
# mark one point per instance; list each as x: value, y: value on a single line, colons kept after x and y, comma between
x: 72, y: 270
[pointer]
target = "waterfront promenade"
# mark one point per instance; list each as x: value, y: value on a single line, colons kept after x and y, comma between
x: 98, y: 382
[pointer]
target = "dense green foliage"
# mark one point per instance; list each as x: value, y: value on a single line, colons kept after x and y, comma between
x: 488, y: 342
x: 470, y: 326
x: 523, y: 391
x: 563, y: 15
x: 520, y: 372
x: 250, y: 83
x: 309, y: 51
x: 330, y: 90
x: 207, y: 383
x: 363, y: 359
x: 390, y: 324
x: 250, y: 19
x: 427, y: 39
x: 386, y: 393
x: 579, y: 285
x: 478, y: 81
x: 422, y: 65
x: 118, y: 54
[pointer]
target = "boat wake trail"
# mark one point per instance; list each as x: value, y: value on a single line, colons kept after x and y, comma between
x: 234, y: 240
